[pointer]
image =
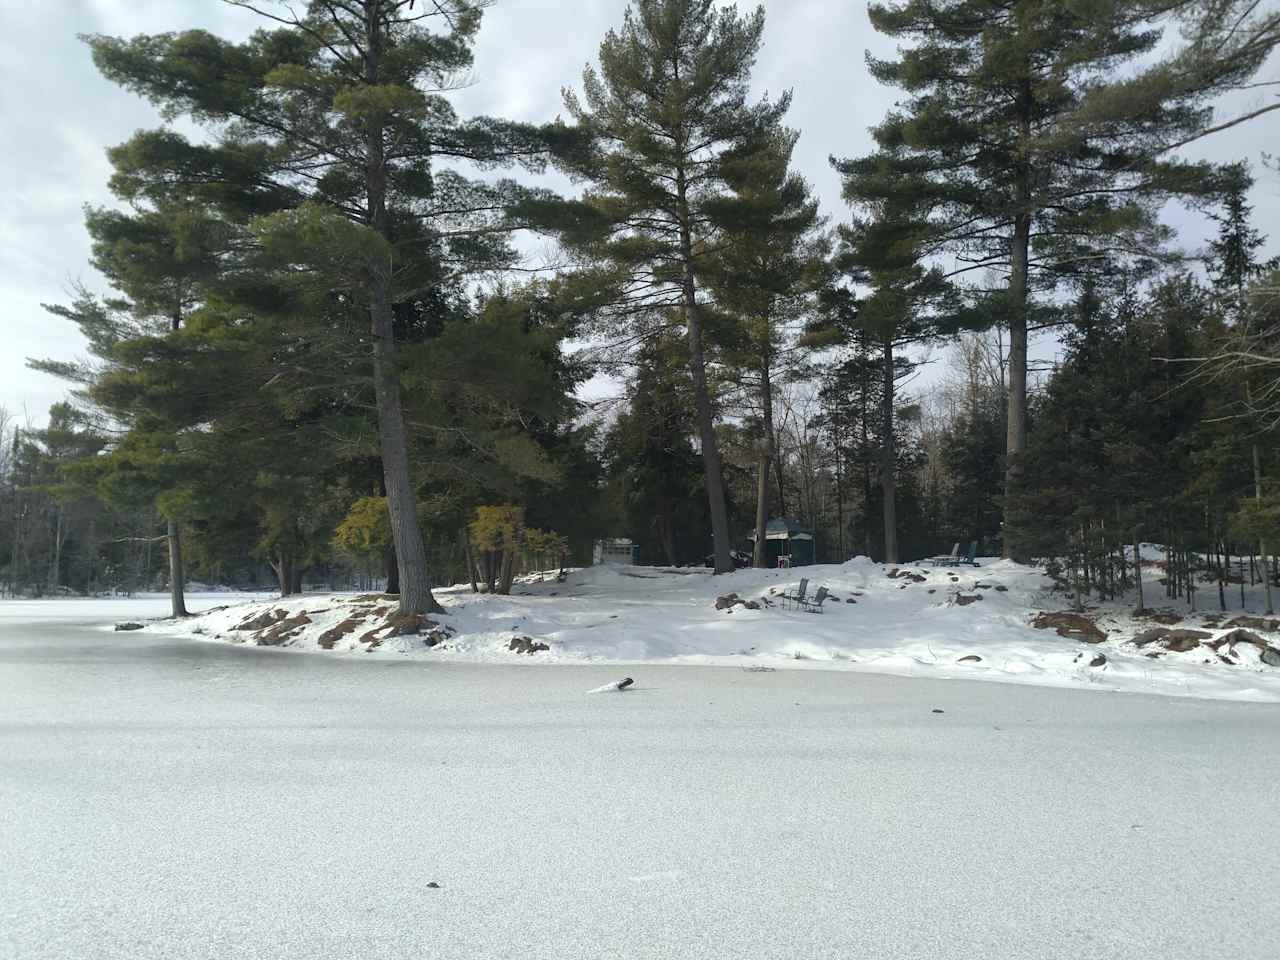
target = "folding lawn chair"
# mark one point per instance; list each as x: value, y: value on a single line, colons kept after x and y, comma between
x: 814, y: 605
x: 797, y: 598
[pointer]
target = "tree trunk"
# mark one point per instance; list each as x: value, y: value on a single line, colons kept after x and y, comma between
x: 283, y: 567
x: 411, y: 550
x: 295, y: 579
x: 391, y: 569
x: 55, y: 557
x: 702, y: 395
x: 1262, y: 548
x: 1016, y: 439
x: 761, y: 553
x: 1137, y: 573
x: 1019, y: 292
x: 177, y: 574
x: 508, y: 572
x: 664, y: 520
x: 864, y: 415
x: 91, y: 558
x: 470, y: 559
x: 888, y: 459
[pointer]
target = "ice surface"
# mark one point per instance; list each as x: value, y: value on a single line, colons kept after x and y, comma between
x: 164, y: 798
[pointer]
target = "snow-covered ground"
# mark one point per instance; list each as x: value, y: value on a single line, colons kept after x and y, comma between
x: 914, y: 620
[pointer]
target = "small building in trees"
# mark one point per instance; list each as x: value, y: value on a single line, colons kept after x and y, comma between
x: 616, y: 552
x: 787, y: 538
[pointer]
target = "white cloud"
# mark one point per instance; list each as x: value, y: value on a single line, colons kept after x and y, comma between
x: 60, y: 116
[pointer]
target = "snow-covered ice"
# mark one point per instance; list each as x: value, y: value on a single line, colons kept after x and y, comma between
x: 166, y: 798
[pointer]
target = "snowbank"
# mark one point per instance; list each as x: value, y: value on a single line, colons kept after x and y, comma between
x: 975, y: 623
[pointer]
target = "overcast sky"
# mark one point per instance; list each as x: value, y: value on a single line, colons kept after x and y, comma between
x: 59, y: 116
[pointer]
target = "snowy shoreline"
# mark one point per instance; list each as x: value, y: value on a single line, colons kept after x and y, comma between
x: 912, y: 621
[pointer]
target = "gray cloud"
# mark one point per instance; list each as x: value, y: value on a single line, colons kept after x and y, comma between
x: 60, y: 116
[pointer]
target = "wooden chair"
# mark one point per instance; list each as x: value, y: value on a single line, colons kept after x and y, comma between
x: 948, y: 560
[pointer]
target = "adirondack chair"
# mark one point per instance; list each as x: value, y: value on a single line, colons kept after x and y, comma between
x: 814, y: 605
x: 949, y: 559
x: 797, y: 598
x: 968, y: 559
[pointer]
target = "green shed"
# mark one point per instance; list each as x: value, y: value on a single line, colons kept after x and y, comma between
x: 787, y: 538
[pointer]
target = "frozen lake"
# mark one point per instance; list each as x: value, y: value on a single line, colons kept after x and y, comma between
x: 165, y: 798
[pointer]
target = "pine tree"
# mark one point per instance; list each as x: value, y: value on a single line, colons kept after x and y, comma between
x: 1233, y: 262
x: 666, y: 111
x: 765, y: 277
x: 654, y: 468
x: 1234, y: 266
x: 344, y: 111
x: 883, y: 252
x: 1019, y: 167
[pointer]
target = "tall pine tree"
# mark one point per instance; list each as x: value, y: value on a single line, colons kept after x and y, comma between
x: 345, y: 110
x: 1006, y: 145
x: 666, y: 111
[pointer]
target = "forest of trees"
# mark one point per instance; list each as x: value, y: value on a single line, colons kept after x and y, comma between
x: 323, y: 360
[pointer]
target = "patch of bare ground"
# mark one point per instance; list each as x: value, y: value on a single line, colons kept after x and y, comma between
x: 330, y: 637
x: 526, y: 645
x: 1175, y: 641
x: 1255, y: 623
x: 1166, y: 617
x: 284, y: 631
x: 1266, y: 653
x: 411, y: 625
x: 1073, y: 626
x: 895, y: 573
x: 262, y: 621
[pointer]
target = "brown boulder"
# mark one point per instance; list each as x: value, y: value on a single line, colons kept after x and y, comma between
x: 1255, y: 623
x: 895, y: 573
x: 526, y: 645
x: 1073, y: 626
x: 1267, y: 653
x: 1238, y: 636
x: 1158, y: 616
x: 261, y: 621
x: 283, y: 631
x: 963, y: 601
x: 1175, y: 641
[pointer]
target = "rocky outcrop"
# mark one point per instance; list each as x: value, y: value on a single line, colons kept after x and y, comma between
x: 1073, y: 626
x: 526, y: 645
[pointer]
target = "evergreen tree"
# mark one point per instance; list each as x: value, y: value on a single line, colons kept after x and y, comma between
x: 1018, y: 167
x: 1234, y: 266
x: 883, y: 252
x: 344, y: 110
x: 667, y: 112
x: 765, y: 277
x: 649, y: 454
